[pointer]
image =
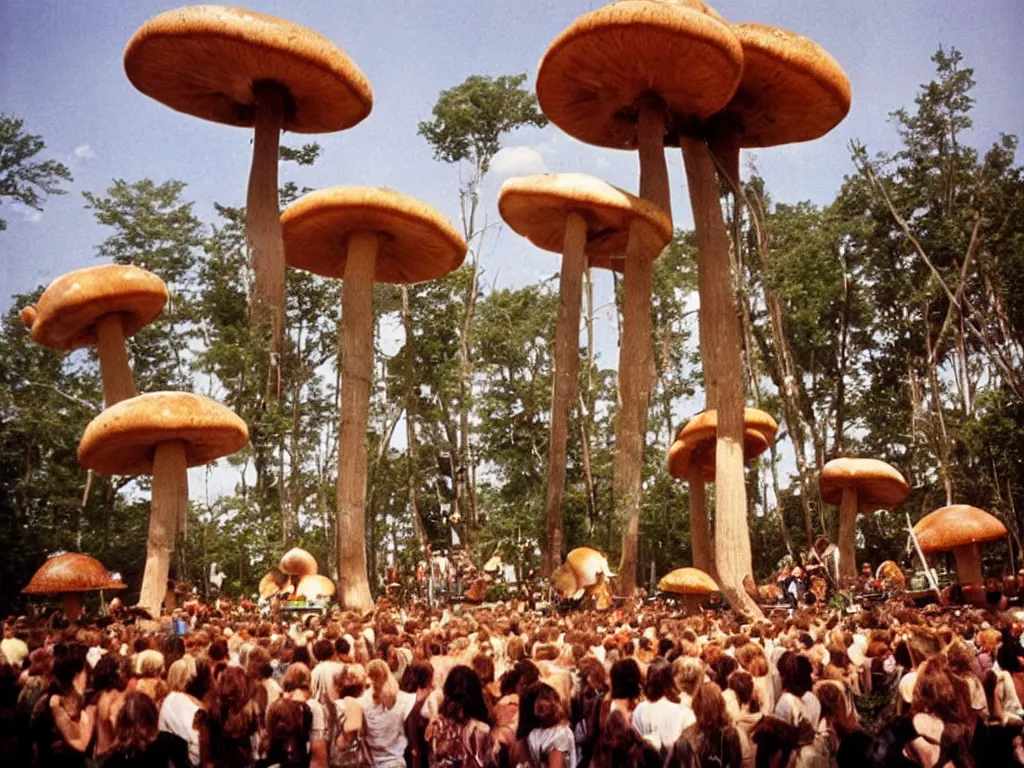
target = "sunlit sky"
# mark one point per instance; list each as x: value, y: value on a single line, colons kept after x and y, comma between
x: 61, y: 71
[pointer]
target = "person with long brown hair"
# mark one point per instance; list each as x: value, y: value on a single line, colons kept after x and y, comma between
x: 711, y: 742
x: 942, y: 738
x: 460, y: 734
x: 137, y: 743
x: 296, y: 685
x: 228, y: 722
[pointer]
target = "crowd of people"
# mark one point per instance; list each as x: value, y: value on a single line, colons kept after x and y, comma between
x: 643, y: 685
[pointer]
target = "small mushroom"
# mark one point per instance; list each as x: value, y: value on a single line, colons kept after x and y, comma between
x: 363, y: 235
x: 298, y: 562
x: 692, y: 458
x: 584, y: 219
x: 101, y: 307
x: 272, y: 584
x: 620, y: 76
x: 959, y: 529
x: 69, y: 575
x: 243, y: 68
x: 314, y: 587
x: 853, y: 485
x: 161, y: 434
x: 692, y: 583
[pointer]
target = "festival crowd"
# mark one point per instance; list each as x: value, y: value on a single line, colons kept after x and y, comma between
x: 644, y: 685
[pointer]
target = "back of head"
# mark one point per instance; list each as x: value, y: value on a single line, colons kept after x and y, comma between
x: 709, y: 707
x: 136, y: 726
x: 181, y: 673
x: 660, y: 682
x: 149, y: 663
x: 463, y: 696
x: 626, y: 679
x: 741, y: 683
x: 296, y: 678
x: 689, y: 674
x: 385, y: 687
x: 288, y: 727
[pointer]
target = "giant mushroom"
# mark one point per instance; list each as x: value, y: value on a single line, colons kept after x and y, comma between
x: 101, y: 307
x: 960, y: 529
x: 585, y: 219
x: 692, y: 583
x: 363, y: 235
x: 161, y: 434
x: 691, y: 457
x: 243, y: 68
x: 619, y: 77
x: 853, y: 485
x: 69, y: 575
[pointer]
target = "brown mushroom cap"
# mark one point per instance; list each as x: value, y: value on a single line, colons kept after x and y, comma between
x: 538, y: 207
x: 66, y: 315
x: 595, y: 72
x: 272, y: 583
x: 695, y: 444
x: 588, y: 565
x: 792, y: 89
x: 298, y: 562
x: 71, y: 572
x: 204, y: 60
x: 314, y: 586
x: 878, y: 484
x: 687, y: 581
x: 955, y: 526
x: 122, y: 440
x: 417, y: 242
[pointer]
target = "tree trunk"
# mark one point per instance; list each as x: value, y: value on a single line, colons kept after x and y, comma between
x: 357, y: 365
x: 587, y: 407
x: 410, y: 426
x: 118, y: 383
x: 848, y: 510
x: 263, y: 224
x: 566, y: 380
x: 723, y: 368
x: 636, y: 352
x: 169, y: 505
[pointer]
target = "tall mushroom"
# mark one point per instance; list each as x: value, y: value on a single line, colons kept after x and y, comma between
x: 298, y: 562
x: 243, y: 68
x: 581, y: 217
x: 777, y: 102
x: 69, y: 575
x: 692, y: 583
x: 853, y: 485
x: 616, y: 77
x: 692, y: 458
x: 101, y: 307
x: 161, y: 434
x: 959, y: 529
x: 363, y: 235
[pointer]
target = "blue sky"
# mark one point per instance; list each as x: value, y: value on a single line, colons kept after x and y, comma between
x: 61, y: 71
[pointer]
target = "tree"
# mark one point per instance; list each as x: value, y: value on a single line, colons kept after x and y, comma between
x: 22, y: 179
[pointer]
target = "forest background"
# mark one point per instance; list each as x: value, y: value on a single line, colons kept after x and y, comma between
x: 887, y: 321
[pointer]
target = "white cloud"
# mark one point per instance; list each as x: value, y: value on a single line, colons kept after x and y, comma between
x: 517, y: 161
x: 32, y: 216
x: 84, y: 152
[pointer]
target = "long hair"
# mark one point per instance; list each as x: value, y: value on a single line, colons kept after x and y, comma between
x: 230, y: 720
x: 834, y: 708
x: 626, y: 680
x: 136, y: 726
x: 296, y: 678
x: 660, y: 682
x: 934, y: 693
x: 796, y: 672
x: 540, y: 706
x: 463, y: 696
x: 289, y: 723
x: 709, y: 707
x: 385, y: 687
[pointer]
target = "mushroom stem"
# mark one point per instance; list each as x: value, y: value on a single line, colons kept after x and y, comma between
x: 263, y: 218
x: 968, y: 564
x: 723, y: 372
x: 636, y: 354
x: 692, y: 604
x: 700, y: 532
x: 357, y: 370
x: 169, y: 506
x: 72, y: 603
x: 118, y: 383
x: 848, y: 509
x: 567, y: 362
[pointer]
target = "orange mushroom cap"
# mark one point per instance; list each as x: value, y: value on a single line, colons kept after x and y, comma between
x: 71, y: 572
x: 687, y: 581
x: 298, y: 562
x: 272, y: 583
x: 878, y: 484
x: 955, y: 526
x: 695, y: 444
x: 314, y: 586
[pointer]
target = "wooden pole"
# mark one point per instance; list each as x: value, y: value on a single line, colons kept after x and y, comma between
x: 118, y: 383
x: 169, y: 505
x: 566, y: 380
x: 357, y: 372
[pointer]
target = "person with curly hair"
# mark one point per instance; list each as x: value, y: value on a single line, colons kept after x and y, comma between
x: 711, y: 742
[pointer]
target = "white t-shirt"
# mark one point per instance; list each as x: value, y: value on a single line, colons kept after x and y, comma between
x: 794, y: 710
x: 177, y: 716
x: 543, y: 741
x: 385, y: 729
x: 662, y: 722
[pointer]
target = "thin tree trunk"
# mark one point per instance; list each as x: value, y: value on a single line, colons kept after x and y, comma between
x: 587, y: 425
x: 411, y: 475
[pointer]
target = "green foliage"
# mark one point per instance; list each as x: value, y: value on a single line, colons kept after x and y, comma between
x: 23, y: 179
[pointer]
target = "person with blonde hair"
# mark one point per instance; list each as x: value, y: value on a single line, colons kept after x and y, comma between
x: 149, y: 675
x: 385, y: 709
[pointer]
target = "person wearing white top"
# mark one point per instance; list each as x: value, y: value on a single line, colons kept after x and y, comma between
x: 661, y: 719
x: 385, y: 709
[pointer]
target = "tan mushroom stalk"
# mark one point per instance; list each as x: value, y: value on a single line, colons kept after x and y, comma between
x: 363, y: 235
x: 776, y: 102
x: 244, y: 68
x: 692, y: 583
x: 583, y: 218
x: 69, y: 575
x: 854, y: 485
x: 616, y: 77
x: 692, y: 458
x: 101, y: 307
x: 960, y: 529
x: 161, y: 434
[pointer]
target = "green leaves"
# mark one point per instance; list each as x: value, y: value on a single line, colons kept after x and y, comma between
x: 22, y: 178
